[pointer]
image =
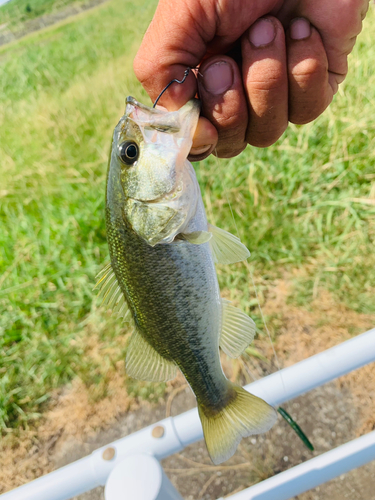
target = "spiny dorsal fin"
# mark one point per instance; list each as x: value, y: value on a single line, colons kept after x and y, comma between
x: 110, y: 289
x: 237, y: 332
x: 144, y: 363
x: 226, y: 248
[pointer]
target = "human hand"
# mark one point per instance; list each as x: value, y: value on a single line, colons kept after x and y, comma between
x: 261, y: 63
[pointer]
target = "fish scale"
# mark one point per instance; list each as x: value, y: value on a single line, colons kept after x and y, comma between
x: 178, y: 307
x: 163, y: 254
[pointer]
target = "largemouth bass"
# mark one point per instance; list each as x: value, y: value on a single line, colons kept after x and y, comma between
x: 162, y: 270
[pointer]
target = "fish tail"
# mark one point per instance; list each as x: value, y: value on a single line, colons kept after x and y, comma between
x: 244, y: 415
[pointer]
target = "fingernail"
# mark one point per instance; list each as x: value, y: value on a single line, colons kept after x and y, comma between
x: 218, y: 78
x: 300, y: 29
x: 262, y: 33
x: 200, y: 150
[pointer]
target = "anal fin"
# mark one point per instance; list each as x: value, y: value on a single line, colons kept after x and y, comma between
x: 144, y: 363
x: 237, y: 332
x: 226, y: 248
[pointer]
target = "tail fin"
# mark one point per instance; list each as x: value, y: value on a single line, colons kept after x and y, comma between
x: 243, y: 416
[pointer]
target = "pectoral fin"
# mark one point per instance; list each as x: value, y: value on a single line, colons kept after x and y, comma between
x: 197, y: 237
x: 110, y: 289
x: 237, y: 332
x: 226, y: 248
x: 144, y: 363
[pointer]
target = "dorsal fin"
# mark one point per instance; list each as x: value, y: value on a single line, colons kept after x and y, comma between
x: 110, y: 289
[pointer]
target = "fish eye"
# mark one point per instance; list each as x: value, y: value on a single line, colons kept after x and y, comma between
x: 129, y: 152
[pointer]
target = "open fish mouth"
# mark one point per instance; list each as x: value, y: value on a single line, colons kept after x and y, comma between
x: 157, y: 119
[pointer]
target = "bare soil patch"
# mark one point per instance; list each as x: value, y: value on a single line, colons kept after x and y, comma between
x: 331, y: 415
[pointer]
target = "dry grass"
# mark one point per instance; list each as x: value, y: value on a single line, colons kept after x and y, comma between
x: 79, y: 413
x: 303, y: 333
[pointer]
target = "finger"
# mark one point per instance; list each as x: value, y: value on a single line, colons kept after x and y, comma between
x: 310, y: 91
x: 224, y: 103
x: 179, y: 36
x: 339, y: 27
x: 204, y: 140
x: 338, y: 23
x: 264, y: 70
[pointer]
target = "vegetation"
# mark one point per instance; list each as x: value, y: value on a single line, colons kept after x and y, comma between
x: 16, y: 12
x: 305, y: 205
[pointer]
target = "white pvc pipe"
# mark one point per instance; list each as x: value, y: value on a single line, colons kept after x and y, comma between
x: 62, y: 484
x: 176, y: 433
x: 295, y: 380
x: 314, y: 472
x: 140, y: 477
x: 317, y: 370
x: 159, y: 440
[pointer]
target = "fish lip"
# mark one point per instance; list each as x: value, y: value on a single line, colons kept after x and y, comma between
x: 160, y: 199
x: 152, y: 117
x: 157, y: 111
x: 134, y: 102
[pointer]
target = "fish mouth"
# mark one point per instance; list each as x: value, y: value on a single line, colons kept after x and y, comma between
x: 135, y: 103
x: 161, y: 119
x: 157, y: 119
x: 156, y: 201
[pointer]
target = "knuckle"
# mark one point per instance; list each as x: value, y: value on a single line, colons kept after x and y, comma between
x: 231, y: 127
x: 228, y: 122
x: 269, y: 86
x: 364, y: 8
x: 303, y: 116
x: 263, y: 138
x: 266, y: 78
x: 140, y: 67
x: 306, y: 110
x: 228, y: 151
x: 309, y: 71
x: 229, y: 117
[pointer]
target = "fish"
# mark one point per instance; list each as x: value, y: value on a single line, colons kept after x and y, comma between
x: 162, y: 273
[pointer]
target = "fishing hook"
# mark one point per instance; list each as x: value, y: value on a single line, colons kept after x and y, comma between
x: 187, y: 71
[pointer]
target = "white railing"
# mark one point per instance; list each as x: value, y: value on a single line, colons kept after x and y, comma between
x: 129, y: 468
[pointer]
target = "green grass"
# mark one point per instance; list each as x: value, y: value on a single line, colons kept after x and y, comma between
x: 16, y: 12
x: 61, y: 93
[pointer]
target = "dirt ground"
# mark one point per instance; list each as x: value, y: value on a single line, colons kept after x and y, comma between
x: 330, y: 416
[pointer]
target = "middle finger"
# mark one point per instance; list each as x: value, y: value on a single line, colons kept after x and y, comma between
x: 264, y: 70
